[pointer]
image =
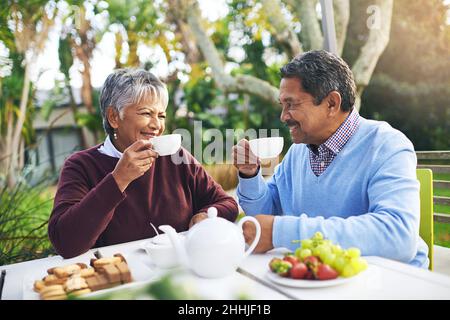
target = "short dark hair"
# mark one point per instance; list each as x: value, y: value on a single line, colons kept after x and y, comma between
x: 321, y: 72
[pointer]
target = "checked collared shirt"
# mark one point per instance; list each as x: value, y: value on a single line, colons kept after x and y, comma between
x: 322, y: 157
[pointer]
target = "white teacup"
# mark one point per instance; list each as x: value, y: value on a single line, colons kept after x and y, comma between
x: 265, y: 148
x: 161, y: 252
x: 166, y: 145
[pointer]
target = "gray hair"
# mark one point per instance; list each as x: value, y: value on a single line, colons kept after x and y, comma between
x: 320, y: 73
x: 126, y: 87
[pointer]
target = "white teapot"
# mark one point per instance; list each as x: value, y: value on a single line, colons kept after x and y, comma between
x: 214, y: 247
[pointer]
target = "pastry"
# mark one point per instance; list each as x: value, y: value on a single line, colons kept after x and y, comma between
x: 74, y: 283
x: 53, y: 292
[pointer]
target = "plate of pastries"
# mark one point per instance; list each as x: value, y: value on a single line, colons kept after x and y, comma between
x: 79, y: 279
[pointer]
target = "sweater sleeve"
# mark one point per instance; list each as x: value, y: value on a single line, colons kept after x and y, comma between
x: 389, y: 229
x: 81, y: 213
x: 256, y: 196
x: 208, y: 193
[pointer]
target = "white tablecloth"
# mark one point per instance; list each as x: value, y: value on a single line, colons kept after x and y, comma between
x: 384, y: 279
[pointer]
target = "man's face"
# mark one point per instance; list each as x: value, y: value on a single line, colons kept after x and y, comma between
x: 307, y: 122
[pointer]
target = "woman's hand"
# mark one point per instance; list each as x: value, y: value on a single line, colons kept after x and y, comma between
x: 135, y: 161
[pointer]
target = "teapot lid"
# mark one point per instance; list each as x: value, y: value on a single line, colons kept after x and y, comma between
x: 214, y: 228
x: 212, y: 212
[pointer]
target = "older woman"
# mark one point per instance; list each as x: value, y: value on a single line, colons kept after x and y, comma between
x: 111, y: 193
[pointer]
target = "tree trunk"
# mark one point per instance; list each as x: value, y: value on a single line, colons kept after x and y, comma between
x: 5, y: 142
x: 341, y: 19
x: 282, y: 32
x: 189, y: 46
x: 74, y: 109
x: 84, y: 53
x: 240, y: 83
x: 133, y: 42
x: 379, y: 25
x: 311, y: 33
x: 118, y: 45
x: 83, y: 50
x: 17, y: 133
x: 188, y: 10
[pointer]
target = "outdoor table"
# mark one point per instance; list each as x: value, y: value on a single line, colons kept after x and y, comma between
x: 384, y: 279
x: 20, y: 276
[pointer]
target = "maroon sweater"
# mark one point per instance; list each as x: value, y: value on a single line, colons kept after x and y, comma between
x: 90, y: 211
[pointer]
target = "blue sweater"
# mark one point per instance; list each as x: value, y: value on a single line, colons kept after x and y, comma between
x: 367, y: 198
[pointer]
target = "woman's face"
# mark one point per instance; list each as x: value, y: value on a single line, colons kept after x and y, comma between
x: 141, y: 121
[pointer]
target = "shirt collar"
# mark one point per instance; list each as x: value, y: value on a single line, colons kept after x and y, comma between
x: 337, y: 141
x: 109, y: 149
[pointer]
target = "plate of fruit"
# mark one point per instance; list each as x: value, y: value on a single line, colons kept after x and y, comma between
x: 317, y: 263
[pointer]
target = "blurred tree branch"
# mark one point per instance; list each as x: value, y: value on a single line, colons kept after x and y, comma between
x: 281, y: 30
x: 341, y: 19
x: 189, y: 10
x: 311, y: 33
x: 31, y: 24
x: 379, y: 25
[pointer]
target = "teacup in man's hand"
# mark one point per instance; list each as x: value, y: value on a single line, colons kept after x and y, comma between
x: 244, y: 159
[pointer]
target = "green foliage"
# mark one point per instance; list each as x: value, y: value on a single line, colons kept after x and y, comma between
x: 65, y: 56
x: 410, y: 88
x: 10, y: 95
x: 24, y: 214
x: 419, y: 110
x: 163, y: 289
x: 442, y: 234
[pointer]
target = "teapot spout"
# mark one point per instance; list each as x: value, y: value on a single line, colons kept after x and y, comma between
x: 177, y: 244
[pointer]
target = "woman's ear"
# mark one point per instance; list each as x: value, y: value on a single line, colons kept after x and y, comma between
x: 113, y: 117
x: 334, y: 103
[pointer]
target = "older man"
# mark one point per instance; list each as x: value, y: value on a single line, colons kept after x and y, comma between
x: 351, y: 178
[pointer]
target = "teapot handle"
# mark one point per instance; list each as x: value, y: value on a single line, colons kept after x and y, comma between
x: 258, y: 233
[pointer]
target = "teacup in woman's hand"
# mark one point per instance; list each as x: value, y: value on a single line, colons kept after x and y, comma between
x: 166, y: 145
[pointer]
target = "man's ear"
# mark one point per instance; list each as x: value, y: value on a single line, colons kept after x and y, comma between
x: 113, y: 117
x: 334, y: 101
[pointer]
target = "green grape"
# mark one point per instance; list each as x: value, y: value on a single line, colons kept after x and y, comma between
x: 336, y: 249
x: 328, y: 258
x: 297, y: 252
x: 339, y: 263
x: 305, y: 253
x: 353, y: 252
x: 307, y: 244
x: 323, y: 251
x: 317, y: 251
x: 348, y: 271
x: 318, y: 236
x: 358, y: 264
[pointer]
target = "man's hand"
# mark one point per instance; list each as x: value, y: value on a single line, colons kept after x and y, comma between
x: 244, y: 159
x: 265, y: 241
x: 197, y: 218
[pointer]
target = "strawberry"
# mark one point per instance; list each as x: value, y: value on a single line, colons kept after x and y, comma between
x: 298, y: 271
x: 292, y: 259
x: 325, y: 272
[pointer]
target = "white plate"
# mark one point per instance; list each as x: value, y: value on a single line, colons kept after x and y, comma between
x: 139, y: 271
x: 300, y: 283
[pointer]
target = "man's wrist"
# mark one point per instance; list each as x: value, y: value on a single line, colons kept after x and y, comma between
x: 245, y: 176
